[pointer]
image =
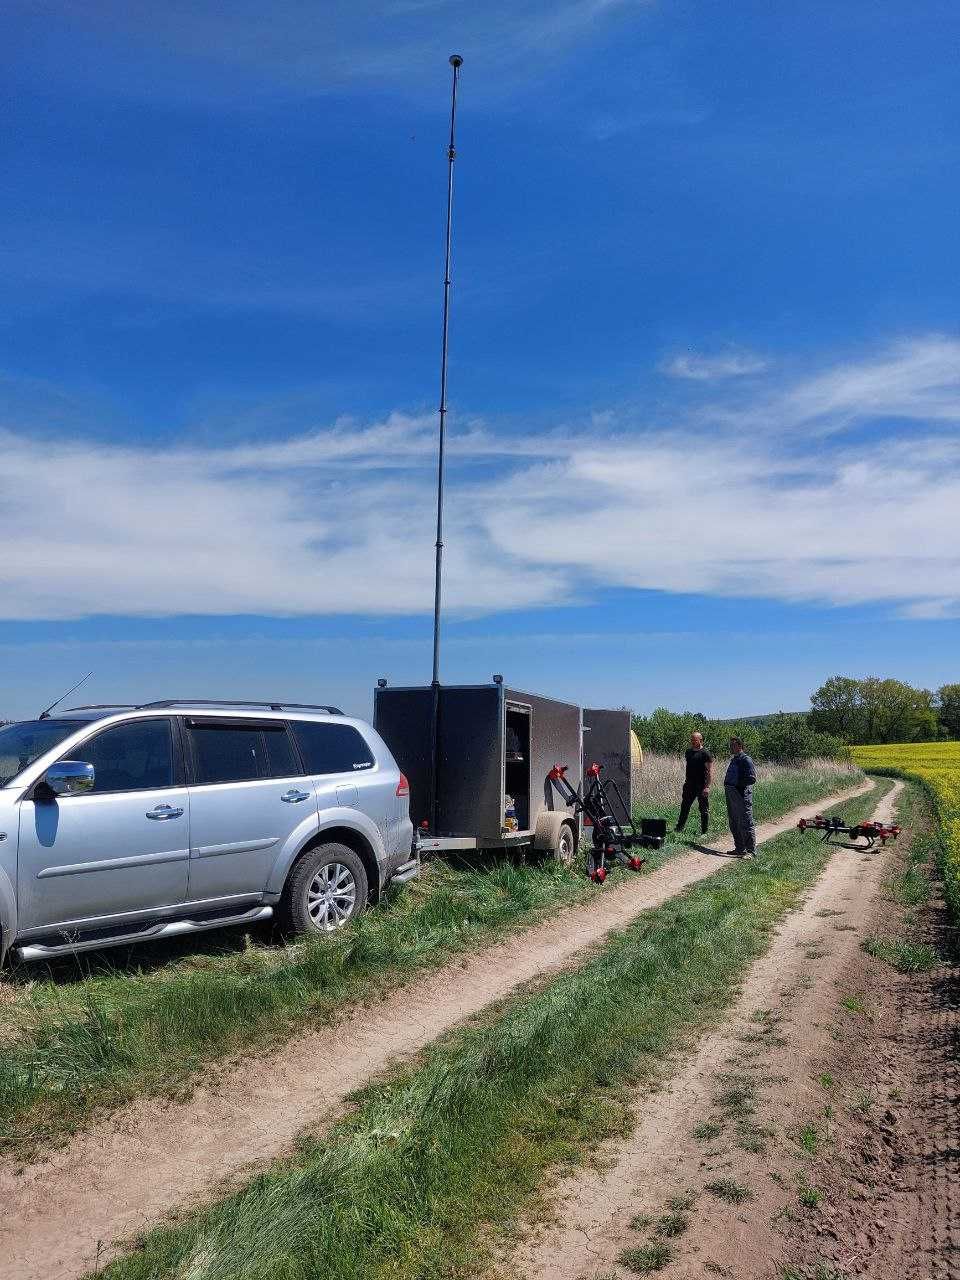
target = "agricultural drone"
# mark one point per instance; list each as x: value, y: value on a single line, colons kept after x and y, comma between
x: 871, y: 832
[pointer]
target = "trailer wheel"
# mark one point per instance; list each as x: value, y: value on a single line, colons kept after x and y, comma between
x: 565, y: 849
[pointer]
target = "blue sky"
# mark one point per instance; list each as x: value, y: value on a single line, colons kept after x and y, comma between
x: 705, y: 364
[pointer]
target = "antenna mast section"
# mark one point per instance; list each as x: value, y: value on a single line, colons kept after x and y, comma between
x: 456, y: 62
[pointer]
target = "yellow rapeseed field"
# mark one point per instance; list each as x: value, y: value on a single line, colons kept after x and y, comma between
x: 937, y: 765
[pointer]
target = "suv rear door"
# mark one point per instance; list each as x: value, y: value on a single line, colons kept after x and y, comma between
x: 247, y: 797
x: 123, y: 846
x: 344, y: 771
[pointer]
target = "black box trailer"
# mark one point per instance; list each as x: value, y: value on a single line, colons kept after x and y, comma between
x: 494, y: 744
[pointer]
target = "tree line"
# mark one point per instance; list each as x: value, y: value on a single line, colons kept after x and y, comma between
x: 872, y: 710
x: 844, y: 711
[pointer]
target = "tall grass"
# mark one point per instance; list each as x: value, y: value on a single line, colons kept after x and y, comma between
x: 430, y: 1171
x: 95, y: 1031
x: 657, y: 784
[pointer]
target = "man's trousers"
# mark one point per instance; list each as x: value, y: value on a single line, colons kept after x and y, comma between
x: 740, y: 815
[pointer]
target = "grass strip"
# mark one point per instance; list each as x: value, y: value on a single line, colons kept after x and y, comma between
x: 430, y: 1170
x: 94, y: 1032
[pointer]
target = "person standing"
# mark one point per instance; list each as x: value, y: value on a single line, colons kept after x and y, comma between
x: 696, y: 783
x: 738, y: 786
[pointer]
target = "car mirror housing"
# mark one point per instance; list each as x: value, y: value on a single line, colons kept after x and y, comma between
x: 70, y: 778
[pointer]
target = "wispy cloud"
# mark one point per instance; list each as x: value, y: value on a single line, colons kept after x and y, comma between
x: 340, y: 519
x: 710, y: 368
x: 310, y: 48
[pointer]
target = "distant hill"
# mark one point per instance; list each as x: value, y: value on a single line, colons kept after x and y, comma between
x: 758, y: 722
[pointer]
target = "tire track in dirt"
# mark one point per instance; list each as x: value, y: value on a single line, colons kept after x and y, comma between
x: 151, y: 1157
x: 779, y: 1022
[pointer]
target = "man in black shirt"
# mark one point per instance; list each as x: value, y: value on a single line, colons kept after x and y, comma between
x: 696, y: 784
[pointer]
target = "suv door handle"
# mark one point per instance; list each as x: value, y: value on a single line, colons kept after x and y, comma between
x: 294, y: 797
x: 163, y: 812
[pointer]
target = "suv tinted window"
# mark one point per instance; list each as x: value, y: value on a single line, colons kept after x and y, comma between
x: 136, y: 756
x: 228, y: 752
x: 331, y: 748
x: 231, y: 752
x: 282, y: 759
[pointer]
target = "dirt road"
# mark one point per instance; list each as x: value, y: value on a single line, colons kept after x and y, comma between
x: 151, y: 1158
x: 711, y: 1123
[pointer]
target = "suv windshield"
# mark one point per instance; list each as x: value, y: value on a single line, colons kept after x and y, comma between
x: 21, y: 744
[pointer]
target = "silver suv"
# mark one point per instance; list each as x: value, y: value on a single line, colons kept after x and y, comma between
x: 123, y: 824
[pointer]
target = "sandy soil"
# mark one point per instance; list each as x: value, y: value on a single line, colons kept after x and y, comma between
x: 148, y: 1159
x: 750, y: 1084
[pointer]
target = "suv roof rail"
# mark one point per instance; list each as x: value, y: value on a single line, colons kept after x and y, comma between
x: 101, y: 706
x: 244, y: 702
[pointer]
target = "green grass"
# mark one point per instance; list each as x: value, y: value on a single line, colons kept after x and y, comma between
x: 903, y: 954
x: 673, y: 1223
x: 727, y: 1189
x: 911, y: 887
x: 434, y: 1167
x: 809, y: 1196
x: 98, y: 1029
x: 808, y: 1136
x: 647, y: 1258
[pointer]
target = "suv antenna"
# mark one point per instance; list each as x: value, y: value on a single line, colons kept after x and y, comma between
x: 456, y: 62
x: 45, y: 715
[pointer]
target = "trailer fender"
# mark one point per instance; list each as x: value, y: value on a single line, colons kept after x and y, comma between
x: 546, y: 836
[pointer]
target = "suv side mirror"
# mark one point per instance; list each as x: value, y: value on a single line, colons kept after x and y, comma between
x: 70, y: 777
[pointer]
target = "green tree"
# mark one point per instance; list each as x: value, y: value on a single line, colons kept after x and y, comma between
x: 837, y: 708
x: 897, y: 712
x: 948, y: 709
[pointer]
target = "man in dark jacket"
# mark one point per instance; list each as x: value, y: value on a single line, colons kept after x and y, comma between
x: 738, y: 785
x: 696, y: 783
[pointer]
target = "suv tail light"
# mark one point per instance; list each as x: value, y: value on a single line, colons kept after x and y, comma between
x: 403, y: 786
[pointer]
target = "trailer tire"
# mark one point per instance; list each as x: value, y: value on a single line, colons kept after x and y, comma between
x: 556, y: 835
x: 566, y: 847
x: 325, y: 890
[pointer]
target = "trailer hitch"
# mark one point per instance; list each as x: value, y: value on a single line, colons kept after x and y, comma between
x: 614, y: 833
x: 835, y: 826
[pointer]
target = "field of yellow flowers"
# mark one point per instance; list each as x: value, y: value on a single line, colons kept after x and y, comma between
x: 937, y: 766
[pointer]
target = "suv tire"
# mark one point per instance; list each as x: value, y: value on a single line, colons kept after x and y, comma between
x: 325, y: 889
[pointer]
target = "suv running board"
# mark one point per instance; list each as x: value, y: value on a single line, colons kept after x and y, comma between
x: 406, y: 871
x: 46, y: 951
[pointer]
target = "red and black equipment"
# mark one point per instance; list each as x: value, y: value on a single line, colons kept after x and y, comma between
x: 614, y: 833
x: 871, y: 832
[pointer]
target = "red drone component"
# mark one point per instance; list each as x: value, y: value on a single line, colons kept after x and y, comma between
x: 599, y: 875
x: 635, y: 863
x: 835, y: 826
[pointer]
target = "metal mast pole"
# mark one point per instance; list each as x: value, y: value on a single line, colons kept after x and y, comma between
x: 456, y: 62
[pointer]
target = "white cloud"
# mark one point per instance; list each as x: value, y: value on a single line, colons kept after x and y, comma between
x: 341, y: 519
x: 701, y: 368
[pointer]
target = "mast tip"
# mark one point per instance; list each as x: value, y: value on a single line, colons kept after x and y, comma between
x: 456, y: 60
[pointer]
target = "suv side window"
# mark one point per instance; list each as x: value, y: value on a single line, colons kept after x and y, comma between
x: 135, y: 756
x: 226, y: 751
x: 331, y: 748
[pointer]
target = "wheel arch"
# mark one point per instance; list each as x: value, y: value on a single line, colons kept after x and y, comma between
x: 353, y: 839
x: 8, y: 914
